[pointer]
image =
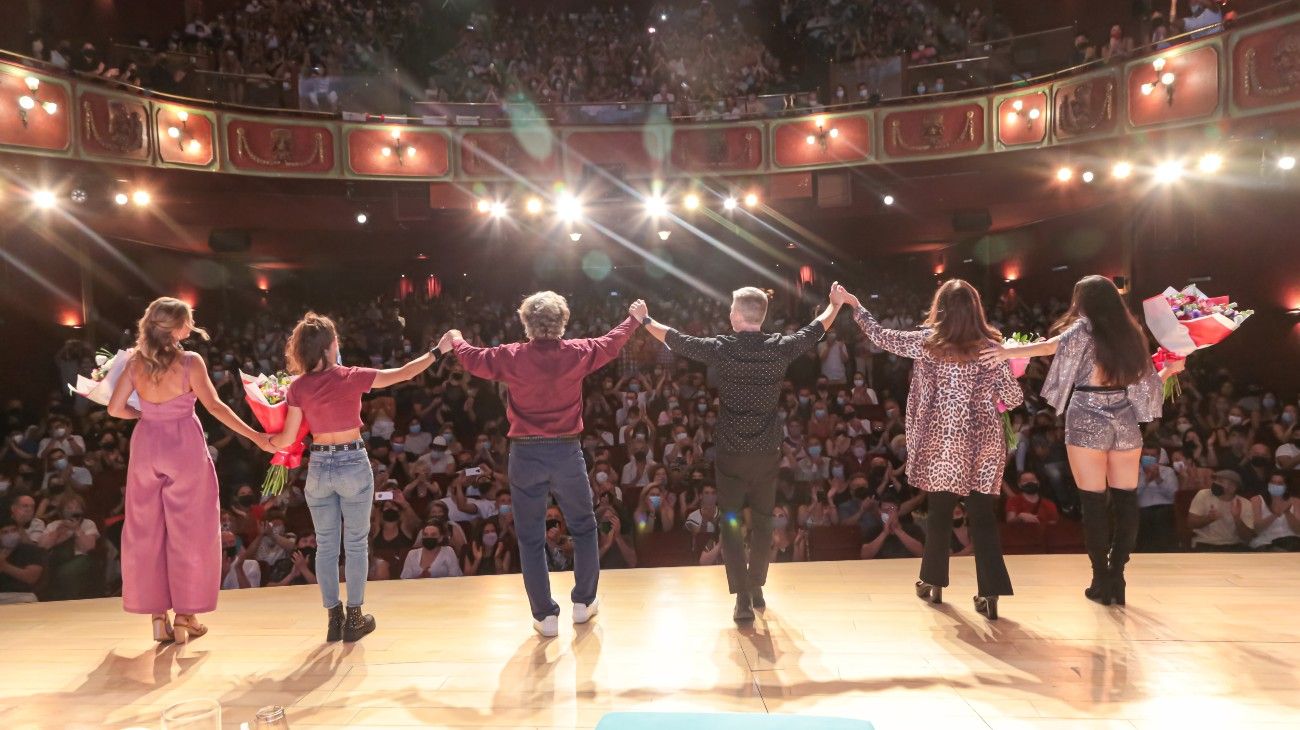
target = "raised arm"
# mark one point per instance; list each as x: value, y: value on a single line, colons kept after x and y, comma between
x: 605, y: 348
x: 702, y: 349
x: 207, y: 395
x: 1002, y: 353
x: 899, y: 342
x: 393, y: 376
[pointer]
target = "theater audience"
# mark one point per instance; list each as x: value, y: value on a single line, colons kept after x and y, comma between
x: 434, y: 558
x: 1157, y: 488
x: 1221, y: 519
x: 1276, y: 516
x: 21, y: 564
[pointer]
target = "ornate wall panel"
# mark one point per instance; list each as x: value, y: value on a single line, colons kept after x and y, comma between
x: 186, y: 136
x: 112, y: 125
x: 630, y: 153
x: 494, y: 155
x: 47, y: 124
x: 1021, y: 118
x: 935, y: 131
x: 1086, y: 107
x: 397, y: 151
x: 808, y: 142
x: 270, y: 146
x: 1194, y: 93
x: 717, y: 149
x: 1266, y: 67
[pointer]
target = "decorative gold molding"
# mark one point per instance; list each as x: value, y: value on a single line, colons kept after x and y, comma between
x: 281, y: 149
x: 125, y: 128
x: 1286, y: 59
x: 932, y: 133
x: 1074, y: 124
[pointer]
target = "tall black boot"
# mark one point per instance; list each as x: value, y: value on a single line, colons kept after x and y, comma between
x: 1097, y: 539
x: 1124, y: 507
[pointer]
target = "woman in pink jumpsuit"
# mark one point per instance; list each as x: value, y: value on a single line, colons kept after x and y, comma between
x: 171, y: 543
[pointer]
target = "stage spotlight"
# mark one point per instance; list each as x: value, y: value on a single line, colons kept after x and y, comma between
x: 751, y: 200
x: 498, y: 209
x: 729, y: 203
x: 568, y: 207
x: 141, y: 198
x: 663, y: 235
x: 1088, y: 176
x: 1210, y: 163
x: 483, y: 205
x: 534, y: 205
x: 1286, y: 162
x: 362, y: 218
x: 44, y: 199
x: 887, y: 200
x: 121, y: 199
x: 1121, y: 170
x: 575, y: 236
x: 1064, y: 174
x: 655, y: 205
x: 691, y: 201
x: 78, y: 196
x: 195, y: 146
x: 1168, y: 171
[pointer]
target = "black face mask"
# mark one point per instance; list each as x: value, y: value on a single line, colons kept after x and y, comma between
x: 247, y: 500
x: 841, y: 497
x: 308, y: 553
x: 232, y: 551
x: 1217, y: 490
x: 958, y: 521
x: 391, y: 515
x: 430, y: 543
x: 1029, y: 488
x: 552, y: 524
x: 861, y: 493
x: 877, y: 473
x: 1260, y: 461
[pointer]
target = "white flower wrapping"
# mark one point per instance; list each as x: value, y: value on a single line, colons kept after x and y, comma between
x: 100, y: 391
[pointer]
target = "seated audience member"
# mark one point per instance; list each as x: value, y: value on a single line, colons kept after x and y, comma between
x: 239, y: 569
x: 1220, y: 518
x: 637, y: 471
x: 1276, y: 515
x: 274, y: 543
x: 1157, y: 485
x: 1287, y: 456
x: 706, y: 521
x: 418, y: 441
x: 468, y: 497
x: 961, y: 542
x: 21, y: 564
x: 559, y: 546
x: 1028, y: 503
x: 616, y: 550
x: 897, y: 537
x: 655, y: 511
x: 434, y: 558
x: 438, y: 460
x: 819, y: 512
x: 438, y: 512
x: 23, y: 512
x: 488, y: 554
x: 69, y: 540
x: 67, y: 474
x: 789, y: 541
x: 300, y: 567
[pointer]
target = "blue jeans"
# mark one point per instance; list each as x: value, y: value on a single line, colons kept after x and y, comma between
x: 537, y: 471
x: 340, y: 489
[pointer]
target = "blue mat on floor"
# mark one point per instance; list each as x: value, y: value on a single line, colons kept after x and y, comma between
x: 725, y: 721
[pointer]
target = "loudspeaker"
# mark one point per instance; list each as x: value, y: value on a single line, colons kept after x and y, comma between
x: 230, y: 240
x: 972, y: 221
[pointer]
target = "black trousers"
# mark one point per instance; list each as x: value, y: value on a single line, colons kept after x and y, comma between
x: 982, y: 522
x: 746, y: 480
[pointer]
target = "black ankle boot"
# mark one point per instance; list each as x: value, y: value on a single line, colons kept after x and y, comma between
x: 744, y: 612
x: 357, y: 624
x: 1124, y: 507
x: 756, y: 599
x: 1097, y: 539
x: 335, y: 630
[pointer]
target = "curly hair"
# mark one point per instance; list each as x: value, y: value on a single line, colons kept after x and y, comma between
x: 156, y: 346
x: 545, y: 315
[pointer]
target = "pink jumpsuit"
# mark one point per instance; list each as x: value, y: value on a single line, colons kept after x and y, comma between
x: 171, y: 541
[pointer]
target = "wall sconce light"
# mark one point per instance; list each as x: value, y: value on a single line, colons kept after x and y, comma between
x: 28, y: 102
x: 1164, y: 79
x: 1018, y: 111
x: 185, y: 141
x: 822, y: 135
x: 396, y: 149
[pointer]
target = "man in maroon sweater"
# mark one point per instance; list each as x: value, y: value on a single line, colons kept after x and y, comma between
x: 545, y: 409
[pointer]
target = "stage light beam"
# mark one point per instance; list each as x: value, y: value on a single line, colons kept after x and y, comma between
x: 1121, y: 170
x: 1286, y: 162
x: 887, y: 200
x: 729, y: 203
x: 568, y: 208
x: 1210, y: 163
x: 691, y: 201
x: 751, y: 200
x: 533, y: 205
x: 1168, y: 172
x: 44, y: 199
x: 1064, y: 174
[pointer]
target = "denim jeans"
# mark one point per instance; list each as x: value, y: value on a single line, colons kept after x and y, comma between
x: 537, y: 471
x: 340, y: 489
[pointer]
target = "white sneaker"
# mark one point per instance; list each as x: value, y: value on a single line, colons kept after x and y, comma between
x: 582, y: 613
x: 548, y: 627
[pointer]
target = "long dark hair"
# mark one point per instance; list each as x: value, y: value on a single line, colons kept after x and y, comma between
x: 1121, y: 345
x: 310, y: 340
x: 958, y: 330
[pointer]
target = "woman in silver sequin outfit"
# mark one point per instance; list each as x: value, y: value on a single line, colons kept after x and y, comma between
x: 1103, y: 380
x: 955, y: 446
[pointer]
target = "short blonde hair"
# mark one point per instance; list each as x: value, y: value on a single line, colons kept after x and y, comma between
x: 545, y: 315
x: 751, y: 303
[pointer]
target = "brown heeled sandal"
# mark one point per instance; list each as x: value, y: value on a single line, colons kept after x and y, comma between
x: 186, y: 629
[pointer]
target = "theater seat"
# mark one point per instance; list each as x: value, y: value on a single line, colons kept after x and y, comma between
x: 835, y: 542
x: 1023, y: 538
x: 665, y: 550
x: 1065, y: 536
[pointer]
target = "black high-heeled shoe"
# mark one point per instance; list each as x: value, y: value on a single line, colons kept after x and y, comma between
x: 987, y: 605
x: 1100, y: 590
x: 929, y: 593
x: 1117, y: 586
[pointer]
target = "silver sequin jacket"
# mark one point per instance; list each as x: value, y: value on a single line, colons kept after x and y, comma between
x: 1073, y: 365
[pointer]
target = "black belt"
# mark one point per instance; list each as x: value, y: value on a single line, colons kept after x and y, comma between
x: 1100, y: 389
x: 357, y: 445
x: 547, y: 439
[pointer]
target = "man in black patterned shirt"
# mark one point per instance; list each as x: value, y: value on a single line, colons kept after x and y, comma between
x: 750, y: 366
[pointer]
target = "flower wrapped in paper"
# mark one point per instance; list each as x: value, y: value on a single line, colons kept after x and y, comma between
x: 267, y: 396
x: 1019, y: 364
x: 1186, y: 321
x: 98, y: 388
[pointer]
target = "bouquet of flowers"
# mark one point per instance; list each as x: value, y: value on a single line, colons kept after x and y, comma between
x: 1186, y: 321
x: 98, y: 388
x: 266, y: 396
x: 1008, y: 431
x: 1019, y: 364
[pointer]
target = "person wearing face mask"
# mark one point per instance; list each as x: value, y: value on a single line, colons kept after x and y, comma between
x: 789, y: 541
x: 433, y: 557
x: 274, y: 542
x: 438, y: 460
x: 61, y: 438
x: 705, y: 521
x: 488, y: 554
x: 750, y: 366
x: 655, y: 513
x: 1287, y: 457
x: 340, y: 478
x: 239, y: 569
x: 21, y: 564
x: 1157, y: 487
x: 418, y: 441
x: 69, y: 541
x: 23, y: 511
x: 616, y: 549
x: 1029, y: 505
x: 1276, y: 516
x: 1255, y: 468
x: 1221, y: 519
x: 58, y: 466
x: 953, y: 440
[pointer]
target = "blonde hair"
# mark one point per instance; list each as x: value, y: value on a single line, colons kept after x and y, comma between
x: 156, y: 346
x: 311, y: 339
x: 751, y: 303
x: 545, y: 315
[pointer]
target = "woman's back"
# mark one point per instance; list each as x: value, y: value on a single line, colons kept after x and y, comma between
x: 172, y: 384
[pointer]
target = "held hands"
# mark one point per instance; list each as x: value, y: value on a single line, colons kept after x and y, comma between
x: 446, y: 342
x: 841, y: 297
x: 263, y: 442
x: 638, y: 310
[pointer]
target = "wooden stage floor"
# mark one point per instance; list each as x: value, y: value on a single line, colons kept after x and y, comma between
x: 1206, y: 641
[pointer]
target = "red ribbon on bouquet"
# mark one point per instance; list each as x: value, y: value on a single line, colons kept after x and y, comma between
x: 1170, y: 388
